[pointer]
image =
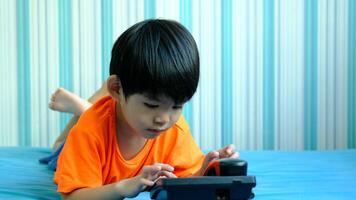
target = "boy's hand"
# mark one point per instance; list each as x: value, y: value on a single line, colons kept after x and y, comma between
x: 148, y: 176
x: 226, y: 152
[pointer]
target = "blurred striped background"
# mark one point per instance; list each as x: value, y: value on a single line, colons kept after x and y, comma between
x: 275, y: 74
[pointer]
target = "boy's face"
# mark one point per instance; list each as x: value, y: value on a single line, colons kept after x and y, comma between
x: 149, y: 117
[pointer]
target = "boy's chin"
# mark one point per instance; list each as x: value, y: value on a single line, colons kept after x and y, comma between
x: 151, y: 135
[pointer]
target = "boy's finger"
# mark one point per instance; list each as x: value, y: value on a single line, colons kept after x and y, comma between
x: 166, y: 174
x: 151, y: 169
x: 235, y: 155
x: 212, y: 155
x: 230, y: 149
x: 147, y: 182
x: 227, y: 151
x: 165, y: 167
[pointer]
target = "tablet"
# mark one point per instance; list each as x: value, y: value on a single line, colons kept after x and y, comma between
x: 206, y: 187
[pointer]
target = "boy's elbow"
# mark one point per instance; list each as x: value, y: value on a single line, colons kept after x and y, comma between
x: 65, y: 197
x: 69, y: 196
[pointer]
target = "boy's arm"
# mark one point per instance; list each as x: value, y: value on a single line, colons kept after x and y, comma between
x: 125, y: 188
x: 226, y: 152
x: 111, y: 191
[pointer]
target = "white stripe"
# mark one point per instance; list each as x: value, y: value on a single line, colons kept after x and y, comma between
x: 208, y: 74
x: 281, y: 75
x: 4, y: 81
x: 121, y: 21
x: 251, y: 75
x: 8, y: 69
x: 341, y: 75
x: 277, y: 135
x: 206, y: 48
x: 204, y: 75
x: 300, y: 76
x: 217, y: 73
x: 160, y: 9
x: 284, y: 76
x: 290, y: 70
x: 286, y: 65
x: 321, y: 74
x: 132, y: 12
x: 291, y: 74
x: 76, y: 47
x: 330, y: 80
x: 12, y: 71
x: 167, y: 9
x: 293, y: 80
x: 244, y: 72
x: 97, y: 50
x: 85, y: 56
x: 204, y: 53
x: 53, y: 69
x: 3, y: 37
x: 140, y: 11
x: 42, y: 74
x: 34, y: 72
x: 298, y: 62
x: 238, y: 19
x: 259, y: 75
x: 87, y: 52
x: 195, y: 127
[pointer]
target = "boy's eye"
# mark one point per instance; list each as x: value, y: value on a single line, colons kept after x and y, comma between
x: 178, y: 107
x: 150, y: 105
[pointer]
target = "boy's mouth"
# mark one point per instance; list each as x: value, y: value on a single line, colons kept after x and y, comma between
x: 156, y: 130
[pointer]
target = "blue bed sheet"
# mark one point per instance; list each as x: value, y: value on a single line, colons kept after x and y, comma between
x: 303, y: 174
x: 279, y: 174
x: 22, y: 177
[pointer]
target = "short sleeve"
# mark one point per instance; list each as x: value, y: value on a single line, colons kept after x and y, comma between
x: 79, y: 162
x: 186, y: 158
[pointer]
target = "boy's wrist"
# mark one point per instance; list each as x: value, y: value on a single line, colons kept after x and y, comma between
x: 119, y: 189
x: 127, y: 188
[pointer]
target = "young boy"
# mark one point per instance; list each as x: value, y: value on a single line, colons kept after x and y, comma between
x: 126, y: 141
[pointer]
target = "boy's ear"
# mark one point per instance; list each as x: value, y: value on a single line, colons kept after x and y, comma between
x: 114, y: 86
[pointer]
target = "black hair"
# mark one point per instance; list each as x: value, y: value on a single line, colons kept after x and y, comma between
x: 157, y: 57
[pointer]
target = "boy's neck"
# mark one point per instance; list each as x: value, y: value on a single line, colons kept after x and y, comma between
x: 129, y: 142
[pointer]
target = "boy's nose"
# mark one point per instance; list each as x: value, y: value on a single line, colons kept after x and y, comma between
x: 161, y: 120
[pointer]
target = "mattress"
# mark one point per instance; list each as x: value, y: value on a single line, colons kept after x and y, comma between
x: 279, y: 174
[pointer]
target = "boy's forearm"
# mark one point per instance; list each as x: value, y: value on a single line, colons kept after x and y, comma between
x: 110, y: 191
x: 198, y: 173
x: 65, y: 132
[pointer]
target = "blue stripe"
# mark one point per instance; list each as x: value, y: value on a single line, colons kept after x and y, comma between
x: 47, y: 139
x: 335, y: 134
x: 268, y: 74
x: 106, y: 37
x: 65, y: 51
x: 226, y: 76
x: 351, y: 118
x: 185, y: 13
x: 310, y: 73
x: 23, y: 76
x: 150, y: 9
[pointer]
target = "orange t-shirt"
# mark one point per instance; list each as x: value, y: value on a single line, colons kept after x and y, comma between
x: 91, y: 156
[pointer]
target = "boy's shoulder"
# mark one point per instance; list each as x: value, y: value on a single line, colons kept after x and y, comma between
x: 182, y: 124
x: 177, y: 136
x: 101, y: 112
